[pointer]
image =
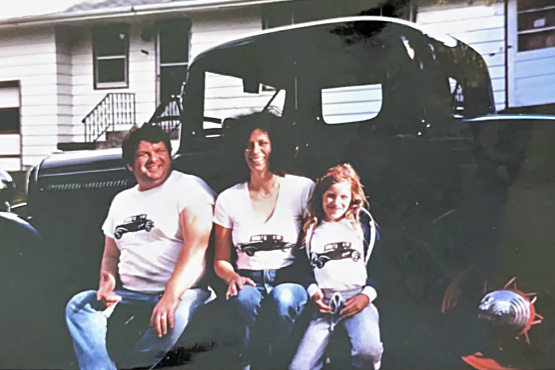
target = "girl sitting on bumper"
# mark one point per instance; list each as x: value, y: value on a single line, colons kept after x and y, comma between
x: 339, y: 236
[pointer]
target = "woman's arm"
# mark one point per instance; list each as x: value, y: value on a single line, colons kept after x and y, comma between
x: 222, y: 262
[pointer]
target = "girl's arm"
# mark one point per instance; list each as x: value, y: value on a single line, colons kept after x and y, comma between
x: 222, y: 263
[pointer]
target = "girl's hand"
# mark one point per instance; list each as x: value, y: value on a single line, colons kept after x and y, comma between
x: 236, y: 284
x: 318, y: 299
x: 355, y: 305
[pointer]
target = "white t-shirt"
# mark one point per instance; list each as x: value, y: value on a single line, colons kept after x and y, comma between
x: 264, y: 245
x: 147, y: 230
x: 337, y: 256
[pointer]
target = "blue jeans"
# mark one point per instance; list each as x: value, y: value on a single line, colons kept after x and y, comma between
x: 363, y: 331
x: 263, y: 316
x: 87, y: 321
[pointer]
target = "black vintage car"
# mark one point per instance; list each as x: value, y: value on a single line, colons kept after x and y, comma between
x: 334, y: 251
x: 133, y: 224
x: 463, y: 195
x: 267, y: 242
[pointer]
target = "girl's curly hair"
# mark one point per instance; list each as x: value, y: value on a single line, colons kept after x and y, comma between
x: 337, y: 174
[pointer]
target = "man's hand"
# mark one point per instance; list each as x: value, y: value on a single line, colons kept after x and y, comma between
x: 236, y: 284
x: 318, y: 299
x: 163, y: 315
x: 105, y: 293
x: 355, y: 305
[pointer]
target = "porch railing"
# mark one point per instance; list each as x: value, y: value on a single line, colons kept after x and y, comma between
x: 168, y: 114
x: 115, y: 109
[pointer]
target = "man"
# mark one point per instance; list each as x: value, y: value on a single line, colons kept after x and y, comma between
x: 156, y: 236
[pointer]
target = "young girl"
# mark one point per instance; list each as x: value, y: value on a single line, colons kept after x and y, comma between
x: 339, y: 235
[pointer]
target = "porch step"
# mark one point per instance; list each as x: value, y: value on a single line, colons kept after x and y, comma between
x: 113, y: 140
x: 66, y: 147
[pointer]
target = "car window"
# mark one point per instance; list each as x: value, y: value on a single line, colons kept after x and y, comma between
x: 226, y: 97
x: 354, y: 103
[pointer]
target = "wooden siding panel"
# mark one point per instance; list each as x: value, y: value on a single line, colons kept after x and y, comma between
x: 9, y: 144
x: 210, y: 29
x: 29, y: 55
x: 535, y: 68
x: 10, y: 164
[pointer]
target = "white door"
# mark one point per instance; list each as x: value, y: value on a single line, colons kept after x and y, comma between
x: 10, y: 131
x: 531, y: 53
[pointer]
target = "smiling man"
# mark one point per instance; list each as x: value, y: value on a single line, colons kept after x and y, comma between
x: 156, y: 236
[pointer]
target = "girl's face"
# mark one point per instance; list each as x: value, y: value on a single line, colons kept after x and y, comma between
x: 257, y: 151
x: 336, y: 201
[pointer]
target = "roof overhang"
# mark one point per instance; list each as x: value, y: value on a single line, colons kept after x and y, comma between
x: 130, y: 11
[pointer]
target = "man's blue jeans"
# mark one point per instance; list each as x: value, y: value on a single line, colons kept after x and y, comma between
x: 264, y: 316
x: 87, y: 321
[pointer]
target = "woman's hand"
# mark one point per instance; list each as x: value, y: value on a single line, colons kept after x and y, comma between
x: 236, y: 284
x: 355, y: 305
x: 318, y: 299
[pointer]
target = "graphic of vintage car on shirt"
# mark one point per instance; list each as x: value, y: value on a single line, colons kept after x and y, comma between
x: 334, y: 251
x: 133, y: 224
x: 260, y: 243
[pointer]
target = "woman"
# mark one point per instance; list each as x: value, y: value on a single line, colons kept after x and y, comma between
x: 260, y: 220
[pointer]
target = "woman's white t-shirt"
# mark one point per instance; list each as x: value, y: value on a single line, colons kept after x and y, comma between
x: 264, y: 245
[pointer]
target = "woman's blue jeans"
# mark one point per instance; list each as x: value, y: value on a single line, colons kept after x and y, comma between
x: 263, y: 317
x: 87, y: 321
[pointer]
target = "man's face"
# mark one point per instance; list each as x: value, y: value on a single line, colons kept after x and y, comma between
x: 152, y: 164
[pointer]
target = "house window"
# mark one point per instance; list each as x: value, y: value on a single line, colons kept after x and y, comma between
x: 9, y: 120
x: 111, y: 56
x: 536, y: 24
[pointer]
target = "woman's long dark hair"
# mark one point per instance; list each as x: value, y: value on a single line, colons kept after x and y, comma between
x: 237, y: 132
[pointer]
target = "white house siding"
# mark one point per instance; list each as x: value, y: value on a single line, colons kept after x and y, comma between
x: 212, y: 28
x: 531, y: 73
x: 29, y: 56
x: 224, y: 96
x: 142, y: 75
x: 481, y: 26
x: 64, y: 88
x: 10, y: 142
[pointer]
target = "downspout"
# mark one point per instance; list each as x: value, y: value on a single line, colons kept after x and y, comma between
x: 506, y: 32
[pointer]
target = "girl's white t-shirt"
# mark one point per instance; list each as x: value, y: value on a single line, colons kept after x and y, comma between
x: 253, y: 237
x: 340, y: 249
x: 147, y: 230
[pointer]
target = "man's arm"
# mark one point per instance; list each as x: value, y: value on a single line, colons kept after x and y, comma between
x: 196, y: 223
x: 108, y: 273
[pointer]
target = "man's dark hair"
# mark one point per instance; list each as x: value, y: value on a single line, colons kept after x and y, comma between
x: 238, y: 131
x: 147, y: 132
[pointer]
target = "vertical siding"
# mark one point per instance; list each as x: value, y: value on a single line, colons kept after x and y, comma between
x: 480, y: 26
x: 29, y: 55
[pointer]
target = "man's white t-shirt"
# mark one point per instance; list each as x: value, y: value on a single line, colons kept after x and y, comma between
x: 147, y: 230
x: 264, y: 245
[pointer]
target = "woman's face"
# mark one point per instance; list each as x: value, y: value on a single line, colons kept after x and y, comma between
x: 336, y: 201
x: 257, y: 151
